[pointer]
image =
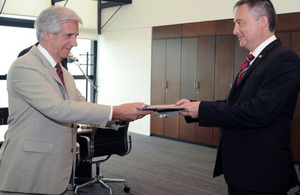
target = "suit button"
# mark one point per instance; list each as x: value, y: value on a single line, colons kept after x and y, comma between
x: 72, y: 150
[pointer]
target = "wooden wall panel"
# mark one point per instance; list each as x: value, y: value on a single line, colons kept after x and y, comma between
x: 158, y: 69
x: 166, y: 32
x: 295, y: 137
x: 206, y: 79
x: 224, y: 66
x: 224, y: 27
x: 173, y: 89
x: 295, y: 42
x: 288, y: 22
x: 215, y: 134
x: 295, y: 45
x: 188, y: 77
x: 188, y: 72
x: 199, y: 29
x: 173, y: 61
x: 187, y: 130
x: 206, y: 68
x: 203, y: 135
x: 285, y: 38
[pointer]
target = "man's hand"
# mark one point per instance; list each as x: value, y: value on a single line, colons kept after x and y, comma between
x: 190, y: 108
x: 130, y: 111
x: 182, y: 101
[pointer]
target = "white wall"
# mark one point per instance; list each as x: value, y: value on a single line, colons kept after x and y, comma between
x: 125, y: 44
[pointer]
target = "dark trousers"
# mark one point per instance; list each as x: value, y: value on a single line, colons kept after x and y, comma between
x: 236, y: 191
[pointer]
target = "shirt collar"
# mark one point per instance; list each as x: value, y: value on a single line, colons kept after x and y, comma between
x: 262, y: 46
x: 47, y: 55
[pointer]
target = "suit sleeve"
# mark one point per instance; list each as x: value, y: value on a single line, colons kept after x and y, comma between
x: 36, y: 86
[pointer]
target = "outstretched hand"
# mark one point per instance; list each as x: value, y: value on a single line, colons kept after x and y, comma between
x: 190, y: 108
x: 130, y: 111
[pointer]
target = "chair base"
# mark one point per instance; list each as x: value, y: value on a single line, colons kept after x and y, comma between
x: 101, y: 180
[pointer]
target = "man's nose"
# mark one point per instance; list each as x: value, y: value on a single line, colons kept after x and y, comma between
x: 235, y: 30
x: 74, y: 41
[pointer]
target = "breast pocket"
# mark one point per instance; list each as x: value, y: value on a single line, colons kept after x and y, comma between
x: 38, y: 146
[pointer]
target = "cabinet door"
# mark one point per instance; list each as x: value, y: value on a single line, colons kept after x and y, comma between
x: 158, y: 76
x: 295, y: 137
x: 205, y: 75
x: 189, y: 68
x: 188, y: 83
x: 295, y: 45
x: 173, y: 59
x: 295, y: 134
x: 224, y: 70
x: 224, y: 66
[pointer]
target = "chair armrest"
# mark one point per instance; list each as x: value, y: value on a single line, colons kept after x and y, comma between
x: 129, y: 143
x: 86, y: 151
x: 78, y: 159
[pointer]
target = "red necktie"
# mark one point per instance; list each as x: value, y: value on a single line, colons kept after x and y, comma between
x: 60, y: 73
x: 244, y: 68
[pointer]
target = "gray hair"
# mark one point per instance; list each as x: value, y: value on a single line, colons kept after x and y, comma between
x: 259, y: 8
x: 51, y: 19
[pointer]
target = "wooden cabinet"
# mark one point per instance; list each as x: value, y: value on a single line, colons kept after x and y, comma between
x: 224, y: 66
x: 172, y: 86
x: 165, y: 84
x: 158, y: 74
x: 199, y: 61
x: 206, y: 80
x: 295, y: 134
x: 188, y: 83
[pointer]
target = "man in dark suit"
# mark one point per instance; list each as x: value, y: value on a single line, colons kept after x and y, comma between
x: 254, y: 151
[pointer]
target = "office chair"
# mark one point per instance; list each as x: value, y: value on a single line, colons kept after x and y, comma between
x: 3, y: 116
x: 104, y: 142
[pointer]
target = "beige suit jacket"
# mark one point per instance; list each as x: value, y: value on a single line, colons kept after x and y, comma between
x: 38, y: 152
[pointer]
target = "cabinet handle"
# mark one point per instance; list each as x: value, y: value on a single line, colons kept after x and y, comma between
x: 165, y: 84
x: 196, y: 85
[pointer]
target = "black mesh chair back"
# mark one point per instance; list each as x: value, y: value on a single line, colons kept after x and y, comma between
x: 98, y: 145
x: 3, y: 116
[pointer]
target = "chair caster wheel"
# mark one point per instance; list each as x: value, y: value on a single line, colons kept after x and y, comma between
x: 126, y: 189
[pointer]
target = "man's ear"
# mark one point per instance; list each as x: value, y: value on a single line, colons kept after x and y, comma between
x: 47, y: 35
x: 264, y: 22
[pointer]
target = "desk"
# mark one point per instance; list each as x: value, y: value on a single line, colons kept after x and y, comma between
x: 3, y: 129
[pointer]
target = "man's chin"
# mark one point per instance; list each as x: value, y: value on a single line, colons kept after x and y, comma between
x: 243, y: 45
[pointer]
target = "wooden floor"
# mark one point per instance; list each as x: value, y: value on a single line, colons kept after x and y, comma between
x: 158, y: 166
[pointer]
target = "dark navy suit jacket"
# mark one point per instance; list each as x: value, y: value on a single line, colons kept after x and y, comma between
x: 254, y: 148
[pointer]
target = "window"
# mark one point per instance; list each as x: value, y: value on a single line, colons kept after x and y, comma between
x: 85, y: 53
x: 14, y: 39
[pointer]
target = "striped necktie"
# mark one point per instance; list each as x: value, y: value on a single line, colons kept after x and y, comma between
x: 244, y: 68
x: 60, y: 73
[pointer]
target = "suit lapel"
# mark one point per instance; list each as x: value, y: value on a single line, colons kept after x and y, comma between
x: 50, y: 69
x: 256, y: 62
x: 260, y: 57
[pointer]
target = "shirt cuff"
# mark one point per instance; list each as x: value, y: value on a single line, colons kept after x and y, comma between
x: 110, y: 114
